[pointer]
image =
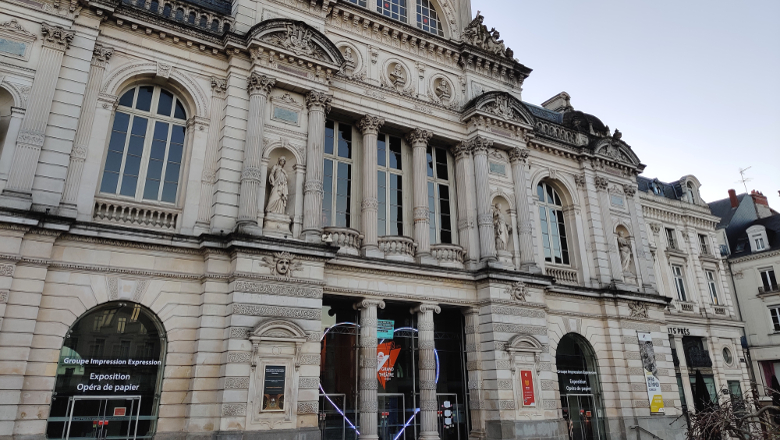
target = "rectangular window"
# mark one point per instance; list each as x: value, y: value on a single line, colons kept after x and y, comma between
x: 337, y: 175
x: 390, y: 186
x: 670, y: 239
x: 775, y: 314
x: 712, y: 286
x: 705, y: 249
x: 768, y: 280
x: 679, y: 282
x: 395, y: 9
x: 760, y: 245
x: 439, y: 200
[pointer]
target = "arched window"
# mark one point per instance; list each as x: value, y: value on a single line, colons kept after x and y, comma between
x: 439, y: 196
x: 428, y: 19
x: 690, y: 193
x: 395, y: 9
x: 167, y: 10
x: 191, y: 18
x: 6, y: 102
x: 226, y: 27
x: 553, y: 226
x: 154, y: 6
x: 180, y: 14
x: 146, y: 147
x: 215, y: 25
x: 204, y: 21
x: 390, y: 186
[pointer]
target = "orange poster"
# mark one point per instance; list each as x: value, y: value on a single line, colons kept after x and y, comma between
x: 386, y: 354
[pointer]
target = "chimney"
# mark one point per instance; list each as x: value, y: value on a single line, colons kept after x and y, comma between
x: 733, y: 198
x: 761, y: 203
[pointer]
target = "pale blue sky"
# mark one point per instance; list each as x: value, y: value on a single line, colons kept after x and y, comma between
x: 693, y: 85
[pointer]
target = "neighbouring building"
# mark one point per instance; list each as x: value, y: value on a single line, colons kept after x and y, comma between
x: 749, y: 231
x: 287, y: 219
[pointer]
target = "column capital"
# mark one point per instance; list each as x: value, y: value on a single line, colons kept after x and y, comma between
x: 260, y: 84
x: 629, y: 189
x: 518, y: 155
x: 419, y: 137
x: 56, y: 37
x: 425, y: 308
x: 367, y: 303
x: 462, y: 150
x: 601, y: 183
x: 370, y: 124
x: 318, y: 100
x: 480, y: 145
x: 101, y: 54
x: 218, y: 87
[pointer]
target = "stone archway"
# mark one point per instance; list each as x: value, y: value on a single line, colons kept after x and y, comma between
x: 580, y: 388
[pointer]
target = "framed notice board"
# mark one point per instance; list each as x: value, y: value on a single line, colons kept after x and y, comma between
x: 273, y: 388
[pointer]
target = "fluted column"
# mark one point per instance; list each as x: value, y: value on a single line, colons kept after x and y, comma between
x: 370, y: 126
x: 209, y: 176
x: 487, y: 234
x: 427, y: 371
x: 418, y: 139
x: 100, y: 57
x: 518, y: 157
x: 467, y: 208
x: 319, y: 106
x: 18, y: 190
x: 368, y: 365
x: 259, y: 86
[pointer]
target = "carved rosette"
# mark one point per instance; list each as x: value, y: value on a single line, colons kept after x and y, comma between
x: 55, y: 37
x: 318, y: 101
x: 518, y: 155
x: 101, y: 54
x: 419, y: 137
x: 260, y: 84
x: 219, y: 87
x: 371, y: 124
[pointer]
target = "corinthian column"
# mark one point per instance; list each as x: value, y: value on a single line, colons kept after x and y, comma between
x: 467, y: 221
x: 370, y: 126
x: 427, y: 371
x: 368, y: 366
x: 319, y: 106
x: 518, y: 158
x: 18, y: 190
x: 259, y: 87
x: 209, y: 176
x: 418, y: 139
x: 100, y: 57
x: 487, y: 237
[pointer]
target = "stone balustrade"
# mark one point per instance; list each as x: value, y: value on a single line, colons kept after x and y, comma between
x: 347, y: 240
x: 397, y: 248
x: 686, y: 306
x: 720, y: 310
x: 448, y: 255
x: 135, y: 215
x: 563, y: 276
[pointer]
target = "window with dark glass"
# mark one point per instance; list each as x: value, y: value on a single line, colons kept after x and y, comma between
x: 146, y: 146
x: 679, y: 282
x: 439, y: 198
x: 774, y: 313
x: 390, y: 216
x: 358, y: 2
x: 395, y: 9
x: 553, y: 225
x: 204, y: 21
x: 337, y: 180
x: 768, y: 280
x: 712, y: 285
x: 670, y: 239
x: 703, y: 245
x: 427, y: 18
x: 191, y: 18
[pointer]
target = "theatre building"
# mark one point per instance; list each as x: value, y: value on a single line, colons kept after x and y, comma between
x: 304, y: 220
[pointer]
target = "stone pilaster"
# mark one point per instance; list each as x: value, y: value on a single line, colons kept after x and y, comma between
x: 209, y: 176
x: 641, y: 242
x: 418, y: 139
x: 684, y: 372
x: 427, y: 371
x: 319, y: 106
x: 100, y: 57
x: 18, y: 190
x: 518, y: 158
x: 370, y: 126
x: 259, y: 86
x: 368, y: 364
x: 602, y: 186
x: 474, y: 368
x: 467, y: 207
x: 487, y: 236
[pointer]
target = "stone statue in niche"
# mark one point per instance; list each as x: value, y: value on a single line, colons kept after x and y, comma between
x: 443, y: 90
x: 624, y: 246
x: 398, y: 76
x: 501, y: 228
x: 277, y: 203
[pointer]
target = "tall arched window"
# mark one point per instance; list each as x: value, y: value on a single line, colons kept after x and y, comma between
x: 337, y: 184
x: 439, y: 196
x: 427, y: 18
x: 395, y: 9
x: 390, y: 185
x: 553, y: 225
x: 204, y: 21
x: 146, y: 147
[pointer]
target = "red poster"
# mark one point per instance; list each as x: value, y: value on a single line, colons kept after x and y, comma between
x: 527, y: 379
x: 118, y: 412
x: 386, y: 354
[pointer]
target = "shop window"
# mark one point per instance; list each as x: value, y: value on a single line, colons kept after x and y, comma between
x: 671, y: 241
x: 146, y: 146
x: 439, y: 196
x: 390, y: 186
x: 768, y: 280
x: 428, y: 18
x: 553, y: 225
x: 679, y: 282
x: 774, y: 313
x: 712, y: 286
x: 395, y: 9
x: 337, y: 183
x: 709, y: 383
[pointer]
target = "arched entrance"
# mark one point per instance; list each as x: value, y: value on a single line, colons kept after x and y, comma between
x: 108, y: 375
x: 580, y: 388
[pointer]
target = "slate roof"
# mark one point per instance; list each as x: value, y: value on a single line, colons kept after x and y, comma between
x: 722, y: 209
x: 669, y: 190
x: 738, y: 239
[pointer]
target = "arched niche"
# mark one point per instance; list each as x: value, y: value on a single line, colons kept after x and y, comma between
x: 579, y: 384
x: 504, y: 221
x: 625, y: 246
x: 110, y: 367
x: 283, y: 161
x: 7, y: 101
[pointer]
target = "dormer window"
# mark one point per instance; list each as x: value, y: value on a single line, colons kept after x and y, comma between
x: 757, y: 238
x: 690, y: 193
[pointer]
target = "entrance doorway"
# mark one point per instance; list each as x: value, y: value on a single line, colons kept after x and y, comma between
x: 108, y: 375
x: 578, y: 381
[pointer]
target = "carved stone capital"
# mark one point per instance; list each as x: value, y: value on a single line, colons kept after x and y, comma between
x: 601, y: 183
x: 260, y: 84
x: 219, y: 86
x: 420, y: 214
x: 425, y: 308
x: 518, y: 155
x: 101, y: 54
x: 32, y: 138
x: 318, y: 101
x: 479, y: 145
x: 370, y: 204
x: 629, y: 189
x: 462, y: 151
x: 419, y: 137
x: 370, y: 124
x: 366, y: 303
x: 580, y: 180
x: 55, y: 37
x: 313, y: 186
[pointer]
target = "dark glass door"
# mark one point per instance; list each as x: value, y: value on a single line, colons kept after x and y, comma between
x: 100, y: 417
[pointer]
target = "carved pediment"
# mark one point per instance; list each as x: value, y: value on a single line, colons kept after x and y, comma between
x: 297, y: 38
x: 615, y: 150
x: 502, y: 106
x: 278, y: 329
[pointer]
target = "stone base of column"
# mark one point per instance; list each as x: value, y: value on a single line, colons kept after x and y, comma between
x: 249, y: 228
x: 432, y: 435
x: 476, y: 434
x: 201, y: 228
x: 372, y: 252
x: 426, y: 258
x: 312, y: 236
x: 67, y: 210
x: 368, y: 437
x: 16, y: 199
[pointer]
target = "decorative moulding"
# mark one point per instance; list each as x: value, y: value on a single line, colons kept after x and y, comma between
x: 15, y: 40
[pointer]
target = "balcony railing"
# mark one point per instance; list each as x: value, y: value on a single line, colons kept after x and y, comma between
x: 686, y: 307
x: 135, y: 215
x: 448, y: 255
x: 397, y: 248
x: 698, y: 358
x: 768, y: 289
x: 563, y: 276
x: 347, y: 240
x: 720, y: 310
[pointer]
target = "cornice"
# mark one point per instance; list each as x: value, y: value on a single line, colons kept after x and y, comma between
x: 385, y: 295
x: 757, y: 256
